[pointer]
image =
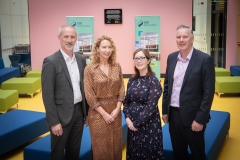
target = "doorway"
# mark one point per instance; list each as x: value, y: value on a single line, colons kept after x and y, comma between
x: 209, y: 28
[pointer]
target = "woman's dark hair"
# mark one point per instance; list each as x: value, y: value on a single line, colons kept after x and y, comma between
x: 147, y: 55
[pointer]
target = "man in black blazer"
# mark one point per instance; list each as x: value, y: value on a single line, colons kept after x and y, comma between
x: 189, y: 88
x: 63, y: 96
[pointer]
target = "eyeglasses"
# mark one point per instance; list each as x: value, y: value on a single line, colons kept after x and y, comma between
x: 140, y: 58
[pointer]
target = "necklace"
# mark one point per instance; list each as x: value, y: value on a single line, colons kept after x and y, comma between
x: 105, y: 68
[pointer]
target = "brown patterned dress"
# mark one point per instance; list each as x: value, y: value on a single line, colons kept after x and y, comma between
x: 105, y: 91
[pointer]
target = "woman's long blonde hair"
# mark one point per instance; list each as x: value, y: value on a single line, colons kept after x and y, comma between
x: 95, y: 55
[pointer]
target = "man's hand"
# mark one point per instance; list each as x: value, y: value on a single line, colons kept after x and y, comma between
x: 57, y: 130
x: 86, y: 121
x: 196, y: 126
x: 165, y: 118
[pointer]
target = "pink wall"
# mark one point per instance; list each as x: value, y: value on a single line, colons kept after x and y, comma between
x: 46, y: 16
x: 231, y: 33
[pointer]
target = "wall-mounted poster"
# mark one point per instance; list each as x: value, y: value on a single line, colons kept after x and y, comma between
x: 147, y: 35
x: 85, y: 30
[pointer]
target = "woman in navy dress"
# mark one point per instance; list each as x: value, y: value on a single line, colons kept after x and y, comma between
x: 144, y: 140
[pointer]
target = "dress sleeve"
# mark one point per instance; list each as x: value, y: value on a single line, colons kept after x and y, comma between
x: 151, y: 107
x: 126, y: 102
x: 122, y: 89
x: 88, y: 87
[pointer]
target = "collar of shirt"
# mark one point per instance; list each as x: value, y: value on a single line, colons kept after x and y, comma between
x: 66, y: 56
x: 188, y: 57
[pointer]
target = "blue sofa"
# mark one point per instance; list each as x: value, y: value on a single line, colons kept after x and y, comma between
x: 41, y: 148
x: 215, y: 134
x: 235, y: 70
x: 18, y: 127
x: 7, y: 72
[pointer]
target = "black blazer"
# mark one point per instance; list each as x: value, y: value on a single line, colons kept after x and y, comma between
x: 57, y: 90
x: 197, y: 90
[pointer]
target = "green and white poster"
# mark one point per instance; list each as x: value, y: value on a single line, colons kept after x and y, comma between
x: 147, y: 35
x: 85, y: 30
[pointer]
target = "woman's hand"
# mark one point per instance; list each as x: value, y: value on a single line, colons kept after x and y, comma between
x: 115, y: 113
x: 107, y: 117
x: 130, y: 124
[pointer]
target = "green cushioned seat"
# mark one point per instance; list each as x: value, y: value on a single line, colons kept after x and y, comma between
x: 8, y: 98
x: 34, y: 73
x: 26, y: 85
x: 222, y: 72
x: 229, y: 84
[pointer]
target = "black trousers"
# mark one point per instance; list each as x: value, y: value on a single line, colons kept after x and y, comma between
x: 67, y: 146
x: 183, y: 137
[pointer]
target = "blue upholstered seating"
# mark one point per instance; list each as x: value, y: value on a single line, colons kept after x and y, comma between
x: 40, y: 149
x: 18, y: 127
x: 235, y: 70
x: 7, y: 72
x: 215, y: 134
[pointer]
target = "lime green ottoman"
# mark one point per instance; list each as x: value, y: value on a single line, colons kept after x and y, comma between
x: 222, y: 72
x: 34, y: 73
x: 227, y: 84
x: 8, y: 98
x: 24, y: 85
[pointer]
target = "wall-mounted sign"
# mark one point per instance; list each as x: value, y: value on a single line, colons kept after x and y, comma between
x: 147, y: 35
x: 113, y: 16
x: 85, y: 32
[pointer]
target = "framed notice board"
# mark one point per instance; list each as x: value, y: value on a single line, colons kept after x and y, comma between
x: 113, y: 16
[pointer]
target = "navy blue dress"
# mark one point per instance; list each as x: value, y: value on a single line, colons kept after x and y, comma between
x: 141, y: 106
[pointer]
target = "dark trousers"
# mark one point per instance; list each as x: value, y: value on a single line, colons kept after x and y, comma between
x: 67, y: 146
x: 182, y: 137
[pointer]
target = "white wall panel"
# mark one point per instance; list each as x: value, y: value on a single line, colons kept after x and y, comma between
x: 24, y: 7
x: 15, y: 6
x: 6, y: 31
x: 17, y: 30
x: 5, y: 7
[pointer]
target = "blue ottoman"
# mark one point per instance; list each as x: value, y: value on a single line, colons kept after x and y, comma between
x: 215, y: 134
x: 40, y: 149
x: 235, y: 70
x: 18, y: 127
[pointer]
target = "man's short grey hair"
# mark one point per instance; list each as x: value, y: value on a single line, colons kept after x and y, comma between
x: 185, y: 26
x: 66, y: 26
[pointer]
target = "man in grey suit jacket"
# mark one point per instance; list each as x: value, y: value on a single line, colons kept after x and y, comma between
x: 63, y: 96
x: 189, y: 88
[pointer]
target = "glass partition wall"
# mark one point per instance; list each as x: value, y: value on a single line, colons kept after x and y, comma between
x: 209, y: 28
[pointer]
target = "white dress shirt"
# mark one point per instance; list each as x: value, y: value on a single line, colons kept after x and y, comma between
x: 74, y: 75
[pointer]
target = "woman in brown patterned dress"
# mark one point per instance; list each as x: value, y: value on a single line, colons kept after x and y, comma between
x: 104, y: 89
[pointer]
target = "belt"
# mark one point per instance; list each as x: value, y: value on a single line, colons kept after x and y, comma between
x: 175, y: 108
x: 77, y: 104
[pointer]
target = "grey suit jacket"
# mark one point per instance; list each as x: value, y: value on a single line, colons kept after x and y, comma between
x: 197, y: 90
x: 57, y: 90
